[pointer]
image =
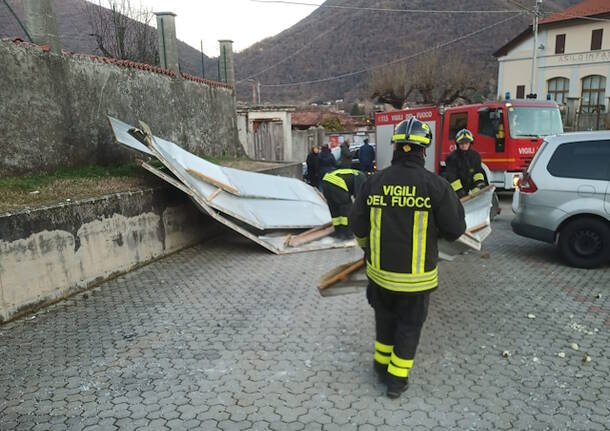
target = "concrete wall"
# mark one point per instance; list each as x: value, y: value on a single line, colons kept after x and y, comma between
x: 53, y: 109
x: 53, y: 252
x: 303, y: 140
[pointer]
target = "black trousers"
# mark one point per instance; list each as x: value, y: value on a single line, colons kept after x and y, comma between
x: 339, y: 203
x: 399, y: 319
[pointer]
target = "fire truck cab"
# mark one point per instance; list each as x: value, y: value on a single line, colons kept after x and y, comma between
x: 506, y: 134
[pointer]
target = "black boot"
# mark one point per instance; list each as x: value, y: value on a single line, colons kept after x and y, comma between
x: 396, y: 386
x: 381, y: 371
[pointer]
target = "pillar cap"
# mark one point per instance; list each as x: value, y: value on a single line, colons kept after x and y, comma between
x: 225, y: 41
x: 165, y: 13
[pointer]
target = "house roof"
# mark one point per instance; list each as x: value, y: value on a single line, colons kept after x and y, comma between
x: 312, y: 118
x: 587, y: 9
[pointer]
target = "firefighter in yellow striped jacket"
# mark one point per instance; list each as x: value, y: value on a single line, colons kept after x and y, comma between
x: 397, y: 220
x: 464, y: 171
x: 339, y: 186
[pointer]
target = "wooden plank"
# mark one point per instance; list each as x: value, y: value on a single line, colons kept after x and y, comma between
x: 342, y: 275
x: 229, y: 188
x: 477, y: 228
x: 214, y: 194
x: 484, y: 189
x: 309, y: 235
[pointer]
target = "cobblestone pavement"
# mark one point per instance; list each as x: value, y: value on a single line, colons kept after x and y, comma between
x: 227, y: 336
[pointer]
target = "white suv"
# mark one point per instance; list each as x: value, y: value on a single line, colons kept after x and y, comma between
x: 564, y: 198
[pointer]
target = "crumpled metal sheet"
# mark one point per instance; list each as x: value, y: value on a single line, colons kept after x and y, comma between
x: 262, y: 201
x: 245, y: 183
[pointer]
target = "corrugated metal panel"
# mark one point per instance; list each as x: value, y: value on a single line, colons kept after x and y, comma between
x: 289, y: 204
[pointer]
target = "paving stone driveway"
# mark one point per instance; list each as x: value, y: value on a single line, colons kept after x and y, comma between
x: 227, y: 336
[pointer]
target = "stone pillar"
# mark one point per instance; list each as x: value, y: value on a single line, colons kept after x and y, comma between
x: 41, y: 23
x: 168, y: 45
x: 227, y: 67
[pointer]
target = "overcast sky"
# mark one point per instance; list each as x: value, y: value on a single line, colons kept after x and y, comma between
x: 243, y: 21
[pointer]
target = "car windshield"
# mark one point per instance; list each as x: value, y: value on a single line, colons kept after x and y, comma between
x: 534, y: 121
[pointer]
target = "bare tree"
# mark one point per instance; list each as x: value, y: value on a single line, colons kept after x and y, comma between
x: 439, y: 78
x: 122, y: 31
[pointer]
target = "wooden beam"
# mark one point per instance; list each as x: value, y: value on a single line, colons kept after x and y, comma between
x: 214, y: 194
x: 477, y: 228
x: 309, y: 235
x: 342, y: 275
x: 484, y: 189
x: 227, y: 187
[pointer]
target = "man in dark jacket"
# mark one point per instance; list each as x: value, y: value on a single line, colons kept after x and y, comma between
x: 339, y: 186
x: 397, y: 219
x: 366, y: 156
x: 345, y: 161
x: 464, y: 170
x: 328, y: 162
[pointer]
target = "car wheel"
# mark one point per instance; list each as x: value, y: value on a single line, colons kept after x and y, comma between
x: 585, y: 243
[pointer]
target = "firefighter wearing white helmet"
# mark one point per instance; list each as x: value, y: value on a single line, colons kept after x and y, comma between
x: 397, y: 219
x: 463, y: 166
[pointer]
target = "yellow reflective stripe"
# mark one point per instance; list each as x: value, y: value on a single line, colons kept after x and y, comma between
x: 416, y: 138
x: 416, y: 243
x: 345, y: 171
x: 406, y: 277
x: 478, y: 177
x: 381, y: 358
x: 361, y: 241
x: 375, y: 237
x: 340, y: 221
x: 424, y: 240
x: 383, y: 348
x: 399, y: 137
x: 402, y: 363
x: 456, y: 185
x: 336, y: 180
x: 398, y: 372
x: 400, y: 282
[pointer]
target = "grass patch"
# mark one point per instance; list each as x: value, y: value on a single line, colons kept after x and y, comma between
x: 29, y: 183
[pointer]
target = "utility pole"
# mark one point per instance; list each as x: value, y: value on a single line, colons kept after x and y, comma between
x: 537, y: 13
x: 202, y: 65
x: 258, y: 87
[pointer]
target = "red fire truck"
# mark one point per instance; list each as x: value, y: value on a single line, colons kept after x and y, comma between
x: 506, y: 134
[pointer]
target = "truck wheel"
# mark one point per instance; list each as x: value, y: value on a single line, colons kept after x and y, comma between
x: 585, y: 243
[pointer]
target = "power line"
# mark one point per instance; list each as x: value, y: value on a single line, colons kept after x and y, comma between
x: 381, y: 9
x: 288, y: 57
x: 399, y: 60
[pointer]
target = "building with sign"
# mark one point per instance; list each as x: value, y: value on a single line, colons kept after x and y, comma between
x: 573, y: 59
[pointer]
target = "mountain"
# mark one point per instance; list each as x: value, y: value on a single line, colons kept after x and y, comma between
x: 331, y: 42
x: 74, y: 29
x: 336, y: 41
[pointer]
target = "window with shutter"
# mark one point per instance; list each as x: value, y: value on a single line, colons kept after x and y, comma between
x: 596, y: 39
x: 520, y: 91
x: 560, y: 43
